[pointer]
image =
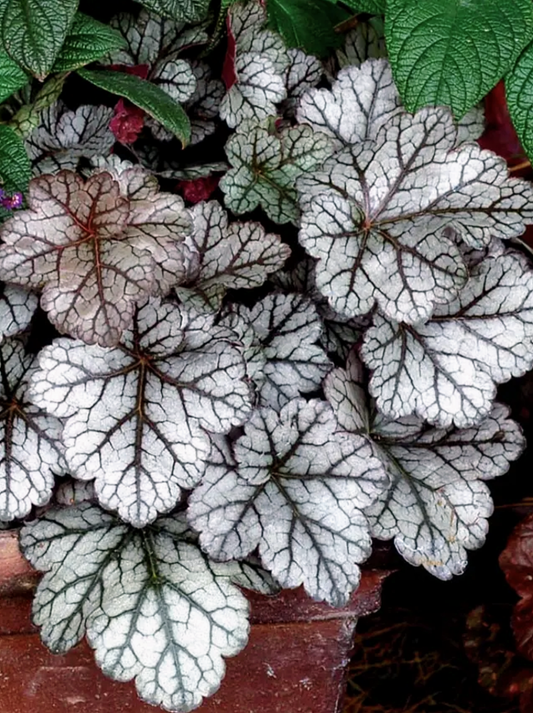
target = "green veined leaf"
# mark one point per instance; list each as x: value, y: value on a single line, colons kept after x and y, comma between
x: 307, y: 24
x: 87, y: 41
x: 373, y: 7
x: 15, y: 166
x: 12, y: 77
x: 33, y: 31
x: 181, y: 10
x: 155, y: 102
x: 519, y: 88
x: 28, y: 116
x: 453, y: 52
x: 154, y: 607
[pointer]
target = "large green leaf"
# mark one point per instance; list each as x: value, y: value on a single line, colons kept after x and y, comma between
x: 87, y: 41
x: 12, y: 77
x: 519, y: 87
x: 33, y: 31
x: 15, y: 167
x: 373, y: 7
x: 181, y: 10
x: 453, y: 52
x: 147, y: 96
x: 307, y: 24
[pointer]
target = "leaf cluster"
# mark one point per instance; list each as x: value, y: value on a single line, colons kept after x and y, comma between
x: 246, y: 384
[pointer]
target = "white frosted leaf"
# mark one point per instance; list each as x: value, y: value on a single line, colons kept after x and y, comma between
x: 149, y: 38
x: 94, y: 251
x: 30, y: 446
x: 286, y: 328
x: 361, y: 101
x: 471, y: 126
x: 305, y: 72
x: 17, y: 308
x: 265, y: 168
x: 176, y: 78
x: 446, y: 371
x: 436, y: 507
x: 136, y: 414
x: 204, y: 105
x: 359, y: 266
x: 260, y: 66
x: 231, y: 256
x: 339, y: 333
x: 258, y: 89
x: 153, y: 607
x: 247, y: 22
x: 385, y: 217
x: 297, y: 490
x: 64, y: 136
x: 365, y: 41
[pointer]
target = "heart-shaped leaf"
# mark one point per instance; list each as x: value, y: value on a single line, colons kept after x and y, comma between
x: 297, y: 489
x: 136, y: 414
x: 152, y: 605
x: 446, y: 370
x: 94, y: 251
x: 436, y: 506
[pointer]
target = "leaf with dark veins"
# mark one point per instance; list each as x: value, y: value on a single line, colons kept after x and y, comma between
x: 64, y: 136
x: 94, y: 253
x: 384, y: 217
x: 153, y: 606
x: 362, y: 100
x: 17, y: 308
x: 436, y: 506
x: 266, y: 166
x: 259, y: 66
x: 31, y: 453
x: 446, y: 370
x: 136, y: 414
x: 297, y: 489
x: 230, y: 255
x: 286, y: 330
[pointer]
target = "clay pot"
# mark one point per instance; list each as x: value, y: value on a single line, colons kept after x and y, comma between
x: 295, y: 661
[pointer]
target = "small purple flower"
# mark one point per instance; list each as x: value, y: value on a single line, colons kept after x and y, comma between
x: 16, y: 200
x: 10, y: 202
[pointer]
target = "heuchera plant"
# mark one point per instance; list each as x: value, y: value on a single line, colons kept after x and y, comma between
x: 243, y: 391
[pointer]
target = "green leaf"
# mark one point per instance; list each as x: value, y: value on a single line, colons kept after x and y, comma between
x: 33, y: 31
x: 453, y: 52
x: 155, y: 102
x: 519, y: 89
x: 28, y: 117
x: 373, y: 7
x: 15, y: 166
x: 12, y: 77
x: 307, y: 24
x: 87, y: 41
x: 181, y: 10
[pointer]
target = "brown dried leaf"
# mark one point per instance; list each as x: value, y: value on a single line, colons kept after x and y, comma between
x: 517, y: 563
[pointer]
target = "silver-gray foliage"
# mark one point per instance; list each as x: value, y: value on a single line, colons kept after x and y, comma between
x: 135, y: 414
x: 446, y: 370
x: 31, y: 452
x: 297, y: 489
x: 153, y: 606
x: 436, y: 506
x: 285, y: 331
x: 385, y: 215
